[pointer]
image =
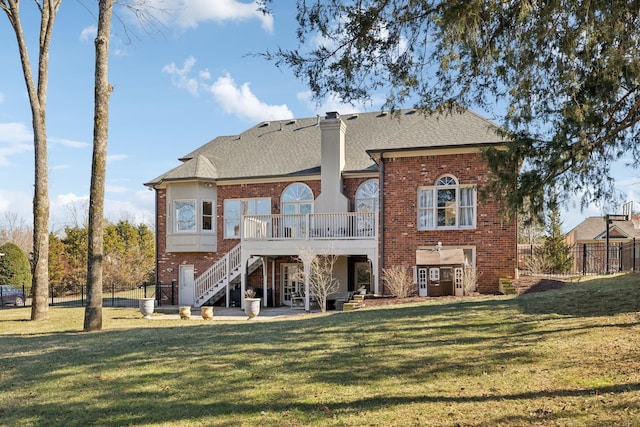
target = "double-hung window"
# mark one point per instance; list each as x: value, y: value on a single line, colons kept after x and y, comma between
x: 234, y: 209
x: 447, y: 205
x: 207, y: 215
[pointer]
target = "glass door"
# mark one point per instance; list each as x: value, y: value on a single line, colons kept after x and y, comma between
x: 363, y: 277
x: 291, y: 288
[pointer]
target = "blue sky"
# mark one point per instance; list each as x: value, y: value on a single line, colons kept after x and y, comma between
x: 177, y: 86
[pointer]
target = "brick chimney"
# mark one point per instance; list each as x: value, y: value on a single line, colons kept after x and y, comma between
x: 331, y: 198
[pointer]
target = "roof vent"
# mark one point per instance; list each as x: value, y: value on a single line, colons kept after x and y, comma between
x: 353, y: 117
x: 264, y: 125
x: 410, y: 112
x: 291, y: 122
x: 382, y: 114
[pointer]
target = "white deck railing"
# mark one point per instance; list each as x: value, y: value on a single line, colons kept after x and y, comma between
x: 346, y: 225
x: 217, y: 275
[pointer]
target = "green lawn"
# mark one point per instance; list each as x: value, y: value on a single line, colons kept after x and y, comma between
x: 569, y: 357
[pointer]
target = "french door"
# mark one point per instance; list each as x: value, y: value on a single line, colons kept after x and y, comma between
x: 289, y: 283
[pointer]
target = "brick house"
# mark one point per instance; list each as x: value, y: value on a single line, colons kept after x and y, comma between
x: 376, y: 189
x: 601, y: 244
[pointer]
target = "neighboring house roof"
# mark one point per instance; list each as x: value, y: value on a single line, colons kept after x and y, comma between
x: 593, y: 228
x: 292, y: 147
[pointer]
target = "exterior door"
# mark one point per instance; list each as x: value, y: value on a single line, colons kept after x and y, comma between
x: 422, y: 282
x: 458, y: 281
x: 446, y: 281
x: 186, y: 286
x: 362, y: 276
x: 289, y: 284
x: 434, y: 282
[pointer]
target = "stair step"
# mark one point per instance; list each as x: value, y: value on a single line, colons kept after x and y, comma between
x: 349, y: 306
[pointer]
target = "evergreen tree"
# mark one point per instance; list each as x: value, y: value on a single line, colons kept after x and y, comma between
x: 568, y: 70
x: 555, y: 251
x: 15, y: 269
x: 56, y: 264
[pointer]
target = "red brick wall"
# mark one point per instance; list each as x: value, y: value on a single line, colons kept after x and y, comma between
x: 168, y: 263
x: 495, y: 238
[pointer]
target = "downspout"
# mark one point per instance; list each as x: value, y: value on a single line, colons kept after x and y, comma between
x: 157, y: 272
x: 381, y: 217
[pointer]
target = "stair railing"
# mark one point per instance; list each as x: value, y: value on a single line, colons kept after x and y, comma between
x: 218, y: 274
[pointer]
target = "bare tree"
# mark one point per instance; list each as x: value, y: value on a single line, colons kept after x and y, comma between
x: 38, y: 101
x: 103, y: 89
x: 16, y: 230
x: 322, y: 282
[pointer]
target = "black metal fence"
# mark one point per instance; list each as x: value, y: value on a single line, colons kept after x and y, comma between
x: 589, y: 258
x: 112, y: 296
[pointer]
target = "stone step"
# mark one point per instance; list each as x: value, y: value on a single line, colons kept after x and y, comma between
x: 349, y: 306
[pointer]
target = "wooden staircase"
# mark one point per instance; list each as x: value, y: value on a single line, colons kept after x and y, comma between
x: 214, y: 283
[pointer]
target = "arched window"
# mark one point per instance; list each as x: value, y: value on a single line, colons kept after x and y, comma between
x: 447, y: 205
x: 297, y: 199
x: 367, y: 196
x: 367, y: 204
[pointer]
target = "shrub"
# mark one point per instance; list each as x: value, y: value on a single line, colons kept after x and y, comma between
x: 399, y: 281
x: 15, y: 269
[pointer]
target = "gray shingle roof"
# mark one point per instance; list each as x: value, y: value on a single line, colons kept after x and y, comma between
x: 290, y: 147
x: 593, y: 228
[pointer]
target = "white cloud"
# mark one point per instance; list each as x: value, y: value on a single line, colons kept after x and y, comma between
x: 239, y: 100
x: 117, y: 189
x: 18, y: 203
x: 333, y: 103
x: 116, y: 157
x: 68, y: 142
x: 68, y: 209
x: 88, y: 33
x: 190, y: 13
x: 15, y: 138
x: 139, y: 208
x: 234, y: 99
x: 180, y: 76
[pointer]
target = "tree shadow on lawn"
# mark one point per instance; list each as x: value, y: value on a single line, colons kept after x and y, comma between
x: 606, y: 296
x: 225, y: 407
x: 137, y: 375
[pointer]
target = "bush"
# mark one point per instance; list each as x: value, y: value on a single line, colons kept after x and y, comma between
x: 399, y: 281
x: 15, y: 269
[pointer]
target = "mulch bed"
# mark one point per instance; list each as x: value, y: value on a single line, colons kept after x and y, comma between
x: 523, y: 285
x: 528, y: 284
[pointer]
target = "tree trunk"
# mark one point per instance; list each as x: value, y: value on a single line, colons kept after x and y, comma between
x: 93, y: 311
x: 38, y: 102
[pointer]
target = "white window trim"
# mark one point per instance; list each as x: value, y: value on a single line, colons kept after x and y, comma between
x: 297, y: 202
x: 243, y: 200
x: 176, y: 229
x: 373, y: 199
x: 434, y: 208
x: 202, y: 215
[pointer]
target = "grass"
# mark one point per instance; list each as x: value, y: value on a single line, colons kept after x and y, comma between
x: 568, y: 357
